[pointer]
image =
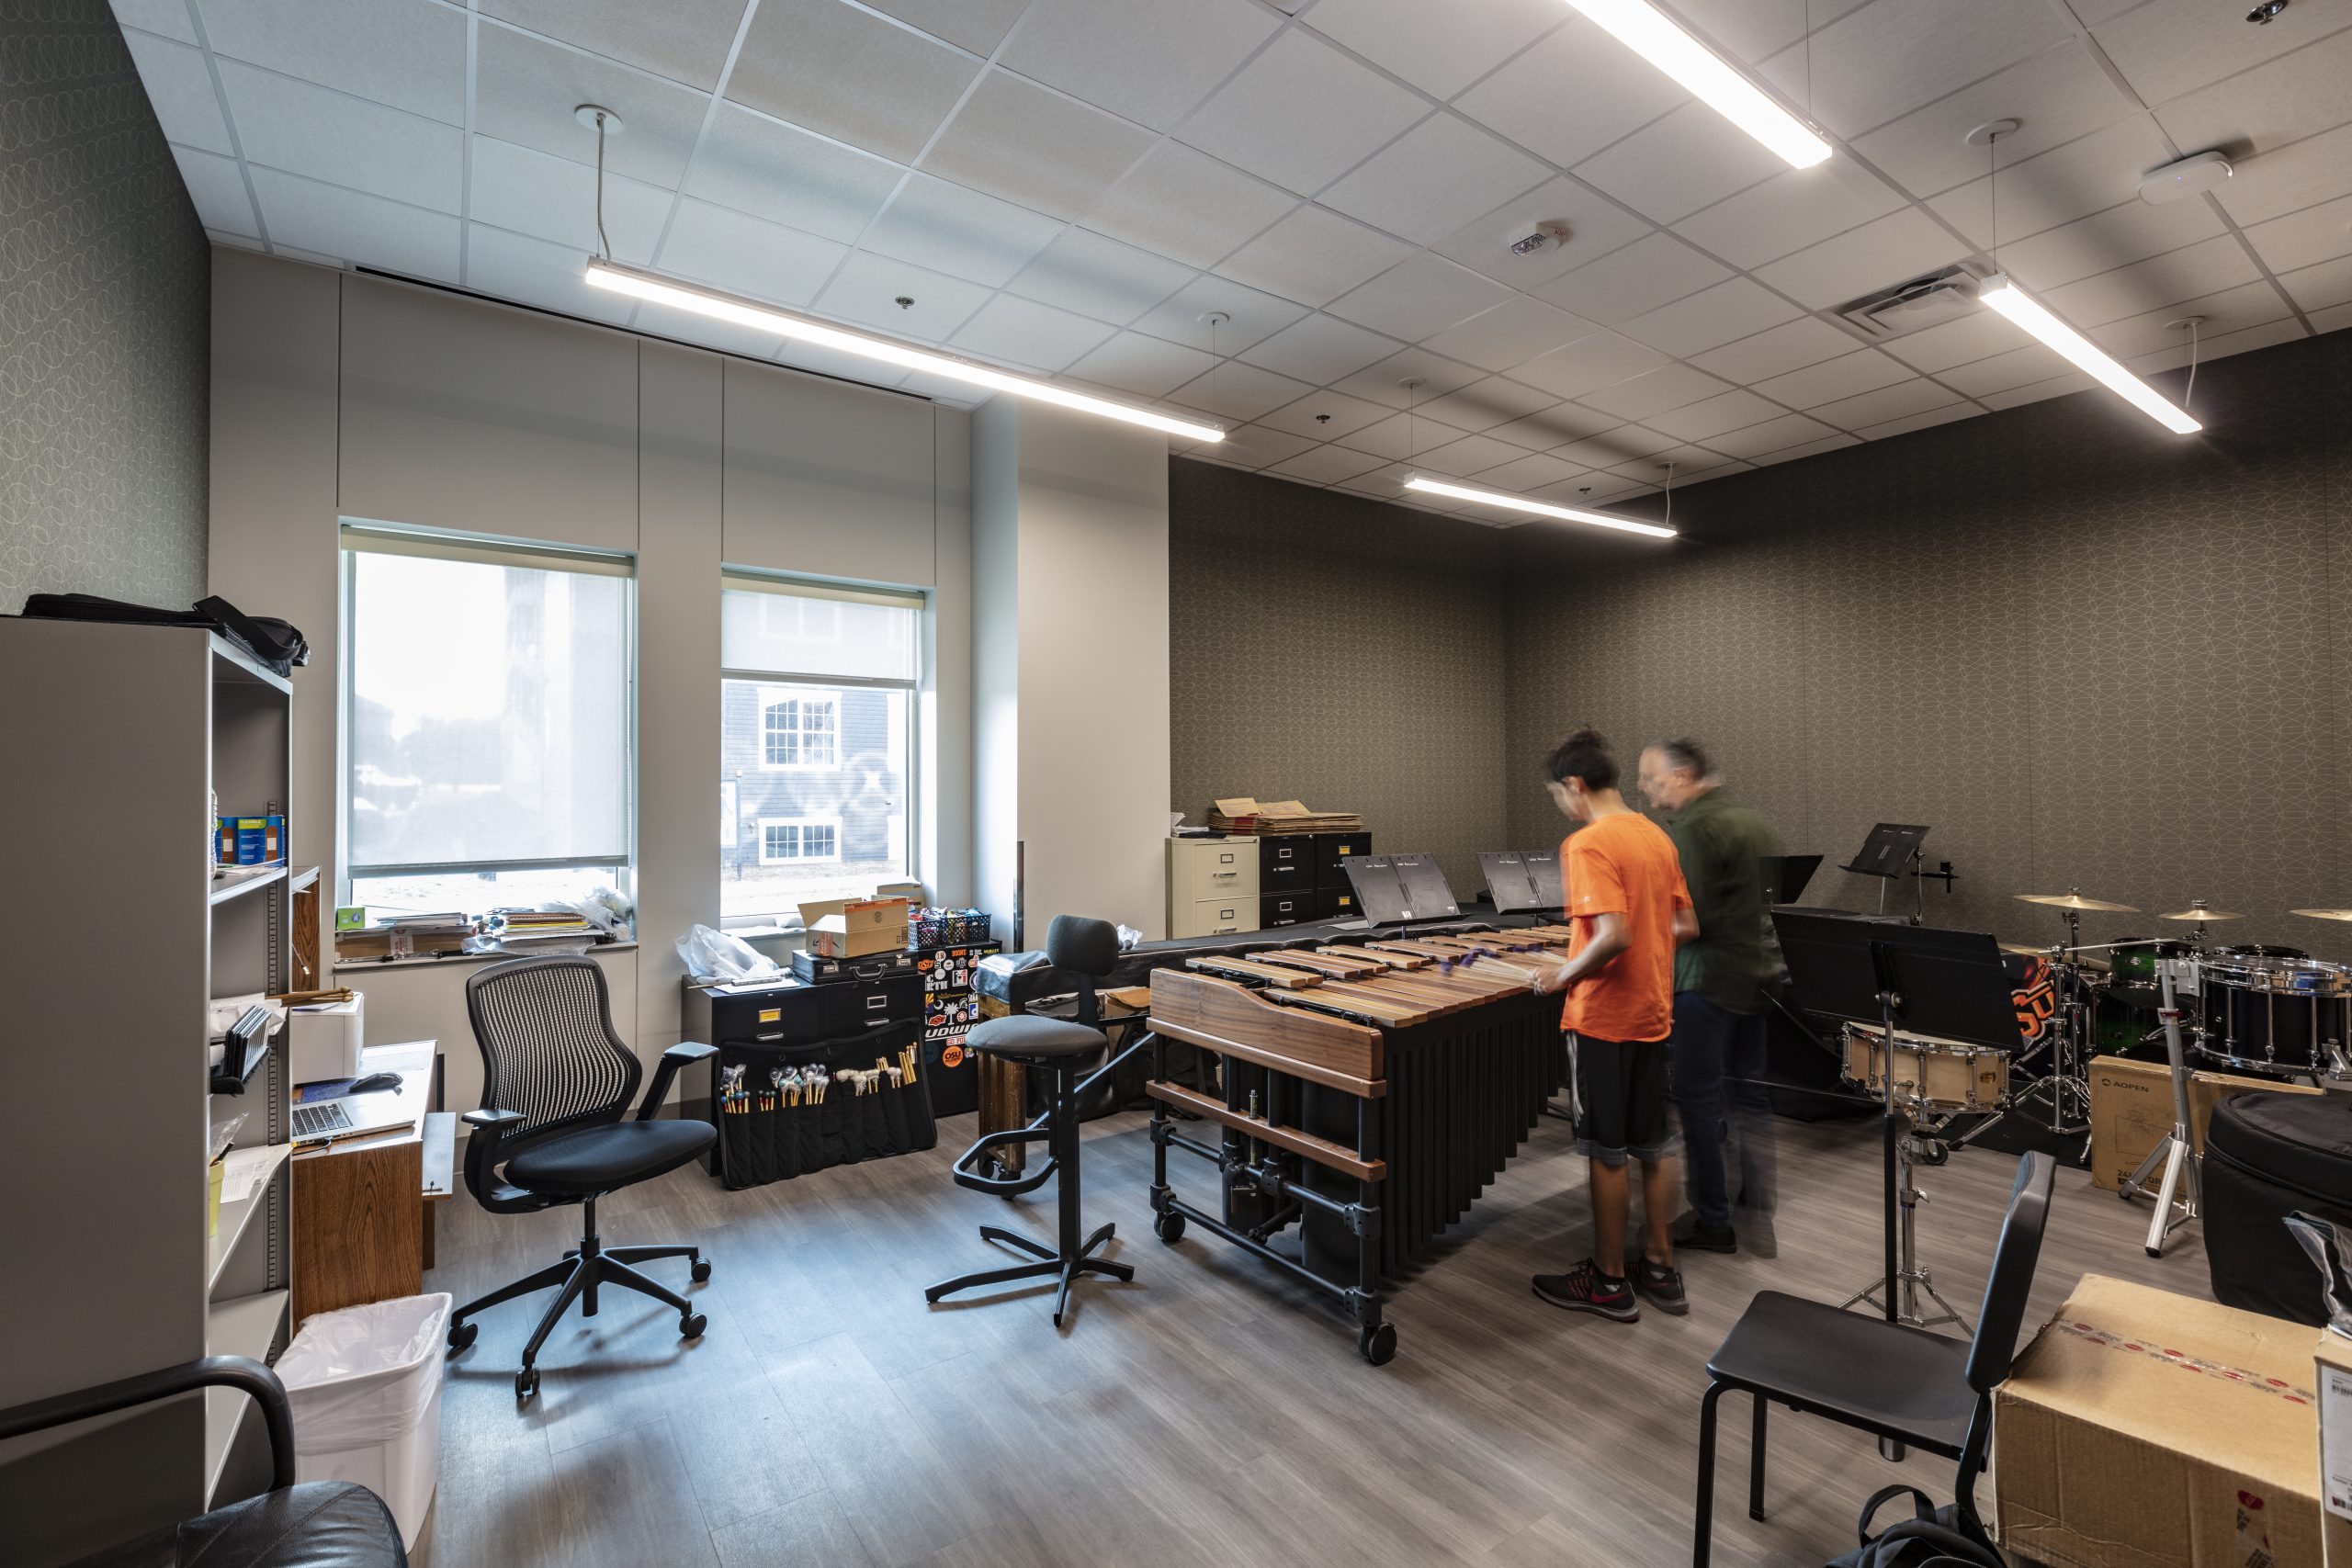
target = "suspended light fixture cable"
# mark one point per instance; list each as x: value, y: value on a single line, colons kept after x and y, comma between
x: 601, y: 239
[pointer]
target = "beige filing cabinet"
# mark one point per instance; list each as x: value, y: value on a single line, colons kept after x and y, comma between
x: 1212, y: 887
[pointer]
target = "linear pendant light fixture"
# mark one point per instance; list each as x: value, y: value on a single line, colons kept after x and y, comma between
x: 2029, y: 312
x: 1642, y: 28
x: 642, y: 284
x: 1540, y: 508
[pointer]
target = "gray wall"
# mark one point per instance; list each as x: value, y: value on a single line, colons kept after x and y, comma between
x: 2083, y: 651
x: 103, y: 284
x: 1341, y: 651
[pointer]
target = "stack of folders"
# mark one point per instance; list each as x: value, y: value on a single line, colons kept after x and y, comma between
x: 404, y: 936
x: 518, y: 926
x: 1242, y: 814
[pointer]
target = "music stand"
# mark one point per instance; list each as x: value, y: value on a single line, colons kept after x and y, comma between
x: 1395, y: 890
x: 1889, y: 851
x: 1785, y: 877
x: 1521, y: 883
x: 1949, y: 985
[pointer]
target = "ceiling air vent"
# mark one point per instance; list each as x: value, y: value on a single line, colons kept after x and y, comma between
x: 1922, y: 302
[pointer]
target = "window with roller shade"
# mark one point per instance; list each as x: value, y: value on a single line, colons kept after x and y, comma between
x: 488, y: 722
x: 816, y: 764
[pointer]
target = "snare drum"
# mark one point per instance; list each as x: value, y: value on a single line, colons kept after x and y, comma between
x: 2259, y: 1010
x: 1941, y: 1075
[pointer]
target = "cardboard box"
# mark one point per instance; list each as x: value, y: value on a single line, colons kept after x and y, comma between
x: 2144, y: 1429
x: 2333, y: 1365
x: 2132, y: 1111
x: 867, y: 926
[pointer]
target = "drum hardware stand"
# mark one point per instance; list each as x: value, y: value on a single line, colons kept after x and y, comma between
x: 2067, y: 1078
x: 2179, y: 1197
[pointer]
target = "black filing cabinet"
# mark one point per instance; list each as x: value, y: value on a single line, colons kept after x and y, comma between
x: 950, y: 1008
x: 1333, y: 852
x: 1285, y: 909
x: 1286, y: 863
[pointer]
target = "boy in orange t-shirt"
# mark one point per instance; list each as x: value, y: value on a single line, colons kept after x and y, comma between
x: 1629, y: 911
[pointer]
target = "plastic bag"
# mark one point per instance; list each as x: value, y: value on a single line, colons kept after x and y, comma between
x: 363, y: 1374
x: 714, y: 956
x: 1129, y: 939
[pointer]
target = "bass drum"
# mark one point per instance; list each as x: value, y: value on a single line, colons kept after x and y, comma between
x: 2270, y: 1010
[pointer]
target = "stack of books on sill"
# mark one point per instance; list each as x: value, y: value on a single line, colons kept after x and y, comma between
x: 405, y: 936
x: 533, y: 928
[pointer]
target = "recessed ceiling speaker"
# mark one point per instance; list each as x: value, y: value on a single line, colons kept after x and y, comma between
x: 2176, y: 182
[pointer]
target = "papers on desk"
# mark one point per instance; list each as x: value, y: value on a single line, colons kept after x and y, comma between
x: 245, y: 1170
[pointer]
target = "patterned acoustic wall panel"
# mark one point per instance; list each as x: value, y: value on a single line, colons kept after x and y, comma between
x: 103, y: 323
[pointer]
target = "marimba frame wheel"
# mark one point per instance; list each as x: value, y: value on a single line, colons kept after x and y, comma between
x: 1169, y: 1227
x: 1378, y: 1345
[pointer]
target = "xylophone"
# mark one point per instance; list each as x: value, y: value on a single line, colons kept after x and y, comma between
x: 1370, y: 1093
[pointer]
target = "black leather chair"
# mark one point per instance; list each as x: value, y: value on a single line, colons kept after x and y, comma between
x: 311, y: 1524
x: 1902, y: 1383
x: 555, y: 1081
x: 1065, y: 1047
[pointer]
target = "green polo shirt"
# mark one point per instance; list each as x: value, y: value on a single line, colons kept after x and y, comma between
x: 1721, y: 843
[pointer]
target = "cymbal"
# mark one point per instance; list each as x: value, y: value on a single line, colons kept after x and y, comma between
x: 2077, y: 901
x: 2324, y: 914
x: 2024, y: 950
x: 2201, y: 913
x: 2081, y: 959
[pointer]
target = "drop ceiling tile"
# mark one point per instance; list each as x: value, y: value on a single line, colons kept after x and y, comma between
x: 2055, y: 96
x: 685, y: 41
x: 167, y: 18
x: 1977, y: 335
x: 2334, y: 319
x: 1150, y: 63
x: 324, y: 135
x: 1187, y: 205
x: 1439, y: 49
x: 2206, y: 267
x: 2284, y: 329
x: 1401, y: 437
x: 1770, y: 435
x: 526, y: 88
x: 1051, y: 153
x: 1910, y: 422
x: 1897, y: 401
x: 1096, y: 276
x: 1670, y: 387
x: 533, y: 272
x: 331, y: 221
x: 1529, y: 472
x: 1433, y: 179
x: 949, y: 229
x: 1235, y: 390
x: 1555, y: 427
x: 1314, y: 257
x: 2057, y: 387
x: 1793, y: 209
x: 179, y: 89
x: 1320, y: 349
x: 849, y: 75
x: 1511, y: 334
x: 1791, y: 345
x: 1384, y: 382
x: 1327, y: 465
x: 1146, y: 367
x: 1808, y: 449
x: 218, y: 188
x: 1672, y: 167
x: 1419, y: 297
x: 2316, y: 169
x: 1688, y: 461
x: 1594, y: 489
x: 2229, y: 312
x: 1589, y: 364
x: 2306, y: 237
x: 1251, y: 316
x: 1711, y: 417
x: 1572, y: 94
x: 1021, y: 332
x: 2269, y: 108
x: 1460, y: 460
x: 1732, y: 310
x: 1753, y: 32
x: 1861, y: 372
x: 554, y: 199
x: 2319, y: 288
x: 1340, y: 415
x: 867, y: 287
x: 408, y: 53
x: 746, y: 255
x: 2085, y: 176
x: 976, y: 25
x: 2105, y: 241
x: 2027, y: 363
x: 1614, y: 447
x: 1255, y: 446
x: 1879, y: 254
x: 1634, y: 280
x: 787, y: 176
x: 2167, y: 48
x: 1301, y: 113
x: 1595, y: 227
x: 1886, y: 59
x: 1483, y: 405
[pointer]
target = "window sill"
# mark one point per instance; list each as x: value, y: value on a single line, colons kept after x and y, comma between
x: 451, y: 960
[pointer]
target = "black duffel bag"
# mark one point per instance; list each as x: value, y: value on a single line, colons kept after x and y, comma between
x: 273, y: 643
x: 2268, y: 1155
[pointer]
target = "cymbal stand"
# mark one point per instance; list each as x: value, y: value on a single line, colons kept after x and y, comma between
x: 2179, y: 1197
x: 2067, y: 1079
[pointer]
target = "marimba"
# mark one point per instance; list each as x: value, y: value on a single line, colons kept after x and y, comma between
x: 1370, y: 1094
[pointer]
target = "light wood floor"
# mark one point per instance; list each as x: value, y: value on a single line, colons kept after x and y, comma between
x: 1208, y: 1412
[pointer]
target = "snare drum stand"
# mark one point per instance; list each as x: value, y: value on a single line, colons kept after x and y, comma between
x: 1905, y: 1279
x: 2178, y: 1197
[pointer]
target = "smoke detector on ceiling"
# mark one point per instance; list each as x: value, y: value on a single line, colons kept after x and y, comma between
x: 2179, y: 181
x: 1915, y: 304
x: 1538, y: 234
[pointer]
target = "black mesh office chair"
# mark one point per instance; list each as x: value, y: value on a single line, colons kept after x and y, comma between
x: 555, y: 1081
x: 1902, y: 1383
x: 1088, y: 950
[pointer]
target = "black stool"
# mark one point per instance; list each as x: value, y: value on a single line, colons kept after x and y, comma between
x: 1090, y: 950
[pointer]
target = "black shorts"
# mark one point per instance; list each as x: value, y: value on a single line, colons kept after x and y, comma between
x: 1621, y: 1100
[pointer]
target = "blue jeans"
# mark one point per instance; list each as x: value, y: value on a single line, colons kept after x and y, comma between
x: 1716, y: 1075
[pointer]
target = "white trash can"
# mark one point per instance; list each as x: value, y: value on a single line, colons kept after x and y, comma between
x: 365, y: 1386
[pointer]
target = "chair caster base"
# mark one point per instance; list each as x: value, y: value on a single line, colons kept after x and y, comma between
x: 462, y: 1336
x: 526, y: 1383
x: 691, y: 1325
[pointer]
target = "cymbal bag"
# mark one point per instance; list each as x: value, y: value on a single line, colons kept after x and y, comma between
x: 2268, y: 1155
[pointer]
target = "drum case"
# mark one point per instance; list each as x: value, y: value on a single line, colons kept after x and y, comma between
x: 2268, y: 1155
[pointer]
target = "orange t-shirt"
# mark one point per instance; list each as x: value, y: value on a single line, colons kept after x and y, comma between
x: 1624, y: 865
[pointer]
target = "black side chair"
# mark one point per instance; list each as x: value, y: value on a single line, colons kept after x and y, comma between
x: 555, y: 1083
x: 1904, y: 1384
x: 311, y: 1524
x: 1090, y: 950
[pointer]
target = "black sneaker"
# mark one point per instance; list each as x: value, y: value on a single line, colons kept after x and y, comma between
x: 1662, y: 1283
x: 1692, y: 1234
x: 1582, y: 1288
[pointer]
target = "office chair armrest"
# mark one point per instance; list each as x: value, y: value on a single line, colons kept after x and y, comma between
x: 490, y: 1127
x: 232, y: 1371
x: 497, y: 1121
x: 681, y: 1054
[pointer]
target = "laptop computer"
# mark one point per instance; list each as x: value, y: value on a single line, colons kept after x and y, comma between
x: 352, y: 1116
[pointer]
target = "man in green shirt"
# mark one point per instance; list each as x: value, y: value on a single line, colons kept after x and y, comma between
x: 1715, y: 1059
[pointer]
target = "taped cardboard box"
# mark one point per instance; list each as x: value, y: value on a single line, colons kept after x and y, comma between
x: 2132, y: 1111
x: 2144, y: 1429
x: 856, y: 929
x: 2333, y: 1364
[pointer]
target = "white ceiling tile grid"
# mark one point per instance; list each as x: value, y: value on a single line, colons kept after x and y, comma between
x: 1069, y: 187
